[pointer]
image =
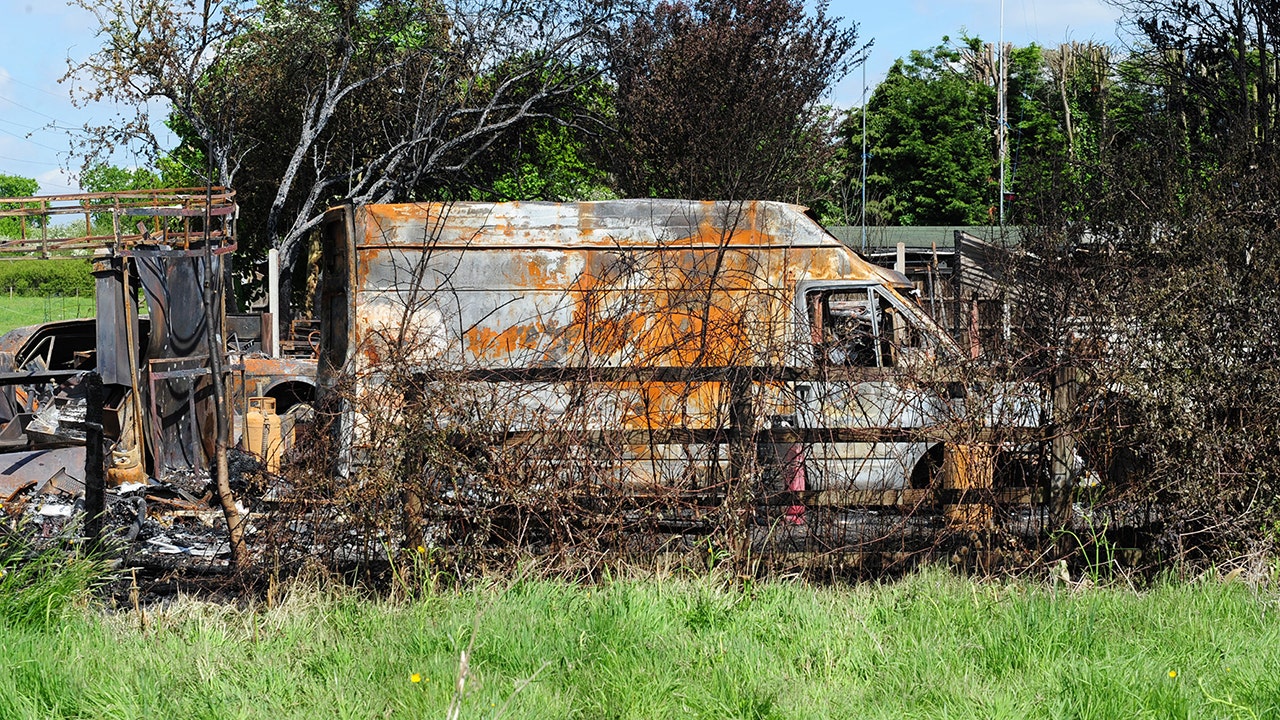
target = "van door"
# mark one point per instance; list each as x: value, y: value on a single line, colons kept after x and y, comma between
x: 866, y: 350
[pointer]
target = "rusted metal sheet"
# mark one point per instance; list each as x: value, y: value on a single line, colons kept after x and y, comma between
x: 63, y: 467
x: 287, y: 379
x: 968, y: 471
x: 611, y: 284
x: 273, y: 371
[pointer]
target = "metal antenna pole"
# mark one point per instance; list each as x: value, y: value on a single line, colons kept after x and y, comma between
x: 864, y: 156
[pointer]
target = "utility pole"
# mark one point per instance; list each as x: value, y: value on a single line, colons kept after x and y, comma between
x: 1001, y: 112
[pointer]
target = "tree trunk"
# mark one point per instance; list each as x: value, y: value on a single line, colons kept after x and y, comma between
x: 216, y: 347
x: 1264, y: 92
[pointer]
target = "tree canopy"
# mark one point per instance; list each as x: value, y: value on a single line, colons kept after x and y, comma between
x: 722, y: 98
x: 930, y: 128
x: 15, y: 186
x: 301, y: 105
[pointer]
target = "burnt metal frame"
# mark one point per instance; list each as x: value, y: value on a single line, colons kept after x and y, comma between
x: 154, y: 377
x: 186, y: 203
x: 212, y: 205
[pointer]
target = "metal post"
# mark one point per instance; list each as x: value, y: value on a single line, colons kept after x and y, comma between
x: 273, y: 298
x: 1002, y: 112
x: 957, y: 287
x: 95, y: 487
x: 1062, y: 443
x: 864, y: 156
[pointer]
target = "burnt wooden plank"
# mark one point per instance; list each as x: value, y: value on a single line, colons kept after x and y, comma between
x: 705, y: 436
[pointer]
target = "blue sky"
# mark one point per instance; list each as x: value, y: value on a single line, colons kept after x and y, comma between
x: 37, y: 116
x: 900, y: 26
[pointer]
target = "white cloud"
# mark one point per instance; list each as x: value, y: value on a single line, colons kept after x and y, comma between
x: 5, y: 79
x: 58, y: 182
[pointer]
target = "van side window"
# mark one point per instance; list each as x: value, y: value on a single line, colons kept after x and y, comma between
x: 855, y: 327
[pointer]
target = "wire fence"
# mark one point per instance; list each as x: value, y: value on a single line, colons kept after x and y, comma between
x: 21, y: 310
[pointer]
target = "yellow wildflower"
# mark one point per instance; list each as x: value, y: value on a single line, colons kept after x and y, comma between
x: 1173, y: 673
x: 415, y: 678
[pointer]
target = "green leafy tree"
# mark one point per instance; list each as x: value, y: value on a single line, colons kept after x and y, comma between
x: 301, y: 105
x: 16, y: 186
x: 103, y: 178
x: 182, y: 166
x: 546, y: 162
x: 112, y: 178
x: 1078, y: 95
x: 558, y: 157
x: 931, y: 136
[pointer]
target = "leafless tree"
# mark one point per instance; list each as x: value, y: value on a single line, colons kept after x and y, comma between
x: 346, y: 102
x: 1150, y: 271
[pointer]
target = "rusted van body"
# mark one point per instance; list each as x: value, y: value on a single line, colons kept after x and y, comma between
x: 658, y: 331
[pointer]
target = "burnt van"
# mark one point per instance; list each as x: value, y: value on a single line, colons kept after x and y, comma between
x: 666, y: 335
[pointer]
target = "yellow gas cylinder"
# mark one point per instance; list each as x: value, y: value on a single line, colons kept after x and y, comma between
x: 255, y: 425
x: 275, y: 438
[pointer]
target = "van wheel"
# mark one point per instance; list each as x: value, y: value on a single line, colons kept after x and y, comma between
x: 927, y: 469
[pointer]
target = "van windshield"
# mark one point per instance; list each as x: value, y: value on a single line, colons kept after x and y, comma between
x: 856, y: 327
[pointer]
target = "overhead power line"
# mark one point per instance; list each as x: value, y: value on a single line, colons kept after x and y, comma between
x: 28, y: 109
x: 48, y: 127
x: 19, y: 160
x: 37, y: 88
x: 29, y: 140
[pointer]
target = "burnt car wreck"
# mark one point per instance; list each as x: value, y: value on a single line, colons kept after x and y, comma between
x: 496, y: 372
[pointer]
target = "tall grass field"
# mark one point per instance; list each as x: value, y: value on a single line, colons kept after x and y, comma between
x: 929, y: 646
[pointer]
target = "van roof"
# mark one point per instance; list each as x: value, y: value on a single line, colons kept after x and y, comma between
x: 609, y: 223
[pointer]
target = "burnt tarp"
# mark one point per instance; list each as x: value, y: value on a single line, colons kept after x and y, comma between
x: 178, y: 389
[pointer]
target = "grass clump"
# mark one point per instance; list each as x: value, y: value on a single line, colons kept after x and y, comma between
x: 39, y: 588
x: 929, y: 646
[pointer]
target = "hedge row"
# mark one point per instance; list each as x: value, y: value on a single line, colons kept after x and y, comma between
x: 70, y: 276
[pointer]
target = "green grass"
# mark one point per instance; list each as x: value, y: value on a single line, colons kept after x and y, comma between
x: 929, y: 646
x: 18, y: 311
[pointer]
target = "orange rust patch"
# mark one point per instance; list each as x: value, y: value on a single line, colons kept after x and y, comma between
x: 485, y: 343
